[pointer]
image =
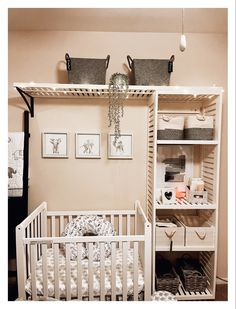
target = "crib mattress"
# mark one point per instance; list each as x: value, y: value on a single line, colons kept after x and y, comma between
x: 96, y: 275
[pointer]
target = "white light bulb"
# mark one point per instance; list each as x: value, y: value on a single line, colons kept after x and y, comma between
x: 182, y: 44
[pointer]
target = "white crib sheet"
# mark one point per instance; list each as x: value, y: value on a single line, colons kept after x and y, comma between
x: 96, y: 276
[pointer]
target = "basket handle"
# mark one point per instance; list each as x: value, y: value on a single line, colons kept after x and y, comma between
x: 130, y: 62
x: 170, y: 64
x: 195, y: 273
x: 68, y: 62
x: 107, y: 61
x: 202, y: 237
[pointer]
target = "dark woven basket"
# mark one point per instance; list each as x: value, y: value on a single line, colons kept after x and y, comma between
x: 191, y: 274
x: 151, y: 71
x: 193, y: 280
x: 86, y: 70
x: 166, y: 277
x: 168, y: 282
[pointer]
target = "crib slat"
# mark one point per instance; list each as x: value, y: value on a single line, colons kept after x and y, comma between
x: 68, y: 273
x: 120, y: 229
x: 31, y: 229
x: 33, y: 254
x: 35, y: 227
x: 38, y: 235
x: 45, y: 270
x: 113, y: 271
x: 79, y: 271
x: 53, y: 226
x: 128, y: 228
x: 28, y: 250
x: 56, y: 270
x: 70, y: 218
x: 102, y: 272
x: 124, y: 270
x: 90, y: 270
x: 136, y: 270
x: 61, y: 224
x: 112, y: 220
x: 128, y: 224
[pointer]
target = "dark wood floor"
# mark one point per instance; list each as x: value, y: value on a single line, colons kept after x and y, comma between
x: 221, y: 292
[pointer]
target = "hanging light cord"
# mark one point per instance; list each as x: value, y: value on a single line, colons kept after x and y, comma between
x: 182, y: 21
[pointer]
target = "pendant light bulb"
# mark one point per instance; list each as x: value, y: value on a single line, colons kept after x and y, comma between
x: 183, y: 43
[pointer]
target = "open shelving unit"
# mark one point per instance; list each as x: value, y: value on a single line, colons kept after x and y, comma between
x: 162, y: 100
x: 206, y: 157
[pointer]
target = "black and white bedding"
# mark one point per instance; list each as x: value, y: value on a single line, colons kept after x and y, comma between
x: 96, y: 275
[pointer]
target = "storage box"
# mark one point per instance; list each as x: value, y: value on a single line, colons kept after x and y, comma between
x: 165, y: 233
x: 151, y: 71
x: 196, y: 197
x: 168, y: 283
x: 191, y: 274
x: 198, y: 232
x: 198, y: 127
x: 170, y: 127
x: 86, y: 70
x: 166, y: 277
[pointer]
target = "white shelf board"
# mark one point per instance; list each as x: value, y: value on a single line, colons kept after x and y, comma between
x: 48, y: 90
x: 185, y: 248
x: 167, y: 93
x: 187, y: 142
x: 182, y: 294
x: 182, y: 203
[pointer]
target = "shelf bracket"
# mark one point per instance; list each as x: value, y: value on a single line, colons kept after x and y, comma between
x: 29, y: 100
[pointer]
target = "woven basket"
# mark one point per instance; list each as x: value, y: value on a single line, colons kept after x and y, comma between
x: 168, y: 282
x: 169, y: 127
x: 191, y: 274
x: 151, y: 71
x: 86, y: 70
x: 198, y: 127
x: 166, y: 277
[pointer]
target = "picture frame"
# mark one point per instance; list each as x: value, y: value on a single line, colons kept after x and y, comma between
x: 168, y: 196
x: 123, y: 148
x: 174, y: 165
x: 87, y: 145
x: 55, y: 144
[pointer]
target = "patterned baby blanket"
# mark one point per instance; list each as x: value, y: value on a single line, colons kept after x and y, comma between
x: 15, y: 163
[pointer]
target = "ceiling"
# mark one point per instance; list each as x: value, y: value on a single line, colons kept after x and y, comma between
x: 119, y: 20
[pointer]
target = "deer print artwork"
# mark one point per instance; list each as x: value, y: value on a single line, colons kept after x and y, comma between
x: 88, y: 147
x: 119, y: 147
x: 55, y: 144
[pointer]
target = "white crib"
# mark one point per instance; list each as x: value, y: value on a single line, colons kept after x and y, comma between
x: 38, y: 243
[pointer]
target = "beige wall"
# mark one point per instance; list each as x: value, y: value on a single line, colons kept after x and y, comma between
x: 101, y: 183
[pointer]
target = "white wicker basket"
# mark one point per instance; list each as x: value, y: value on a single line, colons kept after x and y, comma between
x: 170, y: 127
x: 198, y: 127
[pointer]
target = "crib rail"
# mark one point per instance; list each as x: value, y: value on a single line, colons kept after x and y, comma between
x: 133, y: 232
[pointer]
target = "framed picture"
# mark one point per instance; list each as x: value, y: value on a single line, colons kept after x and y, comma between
x: 54, y: 145
x: 87, y: 145
x: 122, y: 149
x: 174, y: 165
